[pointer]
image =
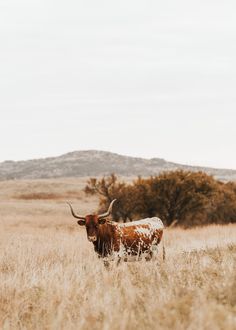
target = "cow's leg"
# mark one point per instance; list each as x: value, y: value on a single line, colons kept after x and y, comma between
x: 106, y: 263
x: 149, y: 256
x: 163, y: 253
x: 118, y: 261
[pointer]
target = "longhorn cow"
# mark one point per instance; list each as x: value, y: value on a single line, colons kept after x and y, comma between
x: 110, y: 239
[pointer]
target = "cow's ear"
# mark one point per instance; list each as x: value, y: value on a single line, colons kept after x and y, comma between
x: 81, y: 222
x: 102, y: 221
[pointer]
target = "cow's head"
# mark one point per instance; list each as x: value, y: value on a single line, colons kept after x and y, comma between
x: 92, y: 221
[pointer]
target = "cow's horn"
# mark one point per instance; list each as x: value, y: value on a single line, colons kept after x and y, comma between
x: 104, y: 215
x: 73, y: 213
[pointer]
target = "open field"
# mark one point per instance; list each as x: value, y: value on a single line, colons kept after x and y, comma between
x: 50, y: 277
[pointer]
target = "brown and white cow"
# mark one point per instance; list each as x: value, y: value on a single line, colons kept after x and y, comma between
x: 110, y: 239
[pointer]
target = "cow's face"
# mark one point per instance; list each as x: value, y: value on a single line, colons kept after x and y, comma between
x: 92, y: 223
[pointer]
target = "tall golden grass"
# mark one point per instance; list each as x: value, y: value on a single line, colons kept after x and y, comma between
x: 50, y: 277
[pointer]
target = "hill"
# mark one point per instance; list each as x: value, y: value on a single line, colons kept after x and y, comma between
x: 96, y: 163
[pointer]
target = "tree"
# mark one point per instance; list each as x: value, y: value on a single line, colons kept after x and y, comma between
x: 191, y: 198
x: 181, y: 195
x: 224, y: 207
x: 110, y: 188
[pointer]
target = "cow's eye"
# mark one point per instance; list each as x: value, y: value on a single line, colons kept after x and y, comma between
x: 102, y: 221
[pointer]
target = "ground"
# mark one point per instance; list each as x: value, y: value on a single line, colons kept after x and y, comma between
x: 50, y: 277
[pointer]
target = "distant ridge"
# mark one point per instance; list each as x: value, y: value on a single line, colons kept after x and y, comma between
x: 96, y: 163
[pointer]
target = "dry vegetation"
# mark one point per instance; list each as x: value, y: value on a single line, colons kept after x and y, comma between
x: 50, y: 277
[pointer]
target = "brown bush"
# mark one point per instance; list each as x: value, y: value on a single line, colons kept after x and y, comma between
x: 191, y: 198
x: 109, y: 188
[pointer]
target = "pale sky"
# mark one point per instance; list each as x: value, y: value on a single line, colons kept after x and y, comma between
x: 140, y: 78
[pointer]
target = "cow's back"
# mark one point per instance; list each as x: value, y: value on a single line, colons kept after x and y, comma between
x: 153, y: 222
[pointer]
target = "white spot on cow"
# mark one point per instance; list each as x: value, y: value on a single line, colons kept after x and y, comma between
x: 143, y: 231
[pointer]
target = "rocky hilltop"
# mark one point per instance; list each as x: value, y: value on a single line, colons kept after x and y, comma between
x: 96, y: 163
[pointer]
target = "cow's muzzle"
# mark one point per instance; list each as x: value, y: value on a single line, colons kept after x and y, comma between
x: 92, y: 238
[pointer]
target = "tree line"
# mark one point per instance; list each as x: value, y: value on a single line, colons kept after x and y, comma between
x: 190, y: 198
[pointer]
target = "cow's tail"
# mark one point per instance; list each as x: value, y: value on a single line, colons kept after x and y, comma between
x: 173, y: 224
x: 163, y: 240
x: 163, y: 249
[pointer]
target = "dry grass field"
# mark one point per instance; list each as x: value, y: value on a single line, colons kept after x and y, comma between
x: 50, y: 277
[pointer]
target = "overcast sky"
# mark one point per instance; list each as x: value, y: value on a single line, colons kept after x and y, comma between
x: 141, y: 78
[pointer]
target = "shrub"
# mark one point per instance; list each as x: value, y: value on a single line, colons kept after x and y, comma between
x: 191, y: 198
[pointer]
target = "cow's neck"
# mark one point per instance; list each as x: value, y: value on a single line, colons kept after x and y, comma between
x: 105, y: 239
